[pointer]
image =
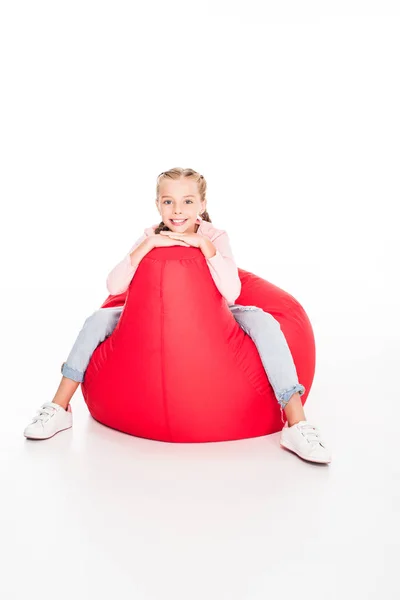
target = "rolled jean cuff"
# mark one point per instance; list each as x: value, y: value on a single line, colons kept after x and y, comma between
x: 71, y: 373
x: 284, y: 396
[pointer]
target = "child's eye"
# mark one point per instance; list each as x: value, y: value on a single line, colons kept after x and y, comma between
x: 185, y: 201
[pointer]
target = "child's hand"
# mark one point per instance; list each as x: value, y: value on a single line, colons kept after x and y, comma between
x: 191, y: 239
x: 158, y: 241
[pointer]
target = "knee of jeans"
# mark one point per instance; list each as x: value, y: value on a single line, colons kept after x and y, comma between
x: 256, y: 316
x: 99, y: 323
x: 98, y: 315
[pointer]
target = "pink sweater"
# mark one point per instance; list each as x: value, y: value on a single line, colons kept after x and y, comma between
x: 222, y: 266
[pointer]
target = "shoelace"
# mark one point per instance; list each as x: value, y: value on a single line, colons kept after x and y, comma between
x: 311, y: 433
x: 44, y: 413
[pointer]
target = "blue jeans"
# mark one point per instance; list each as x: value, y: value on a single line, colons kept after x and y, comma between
x: 262, y: 327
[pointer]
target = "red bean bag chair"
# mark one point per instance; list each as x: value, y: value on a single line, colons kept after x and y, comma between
x: 179, y: 368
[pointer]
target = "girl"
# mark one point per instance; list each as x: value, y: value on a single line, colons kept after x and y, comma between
x: 181, y: 202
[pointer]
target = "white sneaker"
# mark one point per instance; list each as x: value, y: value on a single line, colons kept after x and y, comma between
x: 305, y: 440
x: 49, y: 420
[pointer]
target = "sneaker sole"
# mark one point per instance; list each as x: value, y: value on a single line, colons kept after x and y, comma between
x: 33, y: 437
x: 314, y: 460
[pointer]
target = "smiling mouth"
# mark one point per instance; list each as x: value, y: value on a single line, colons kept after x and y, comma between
x: 178, y: 222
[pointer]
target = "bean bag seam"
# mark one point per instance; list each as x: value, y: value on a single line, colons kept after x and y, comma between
x: 162, y: 352
x: 165, y: 260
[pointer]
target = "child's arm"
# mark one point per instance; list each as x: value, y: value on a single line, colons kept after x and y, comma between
x: 119, y: 278
x: 220, y: 260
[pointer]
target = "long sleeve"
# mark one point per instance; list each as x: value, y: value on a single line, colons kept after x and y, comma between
x: 224, y: 270
x: 222, y: 266
x: 119, y: 278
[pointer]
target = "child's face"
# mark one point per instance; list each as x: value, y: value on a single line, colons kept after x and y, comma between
x: 179, y: 199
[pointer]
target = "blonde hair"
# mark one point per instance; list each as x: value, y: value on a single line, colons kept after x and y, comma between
x: 177, y: 173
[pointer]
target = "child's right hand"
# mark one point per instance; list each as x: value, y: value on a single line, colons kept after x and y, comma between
x: 161, y: 241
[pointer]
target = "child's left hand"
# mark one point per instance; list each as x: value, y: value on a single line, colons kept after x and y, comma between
x: 193, y: 239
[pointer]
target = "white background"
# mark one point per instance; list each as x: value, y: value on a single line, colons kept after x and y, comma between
x: 291, y: 112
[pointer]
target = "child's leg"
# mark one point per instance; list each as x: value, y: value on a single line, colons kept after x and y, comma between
x: 95, y: 330
x: 65, y: 391
x: 266, y: 333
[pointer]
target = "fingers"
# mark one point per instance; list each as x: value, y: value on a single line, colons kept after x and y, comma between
x: 180, y: 242
x: 172, y: 241
x: 176, y: 243
x: 176, y: 240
